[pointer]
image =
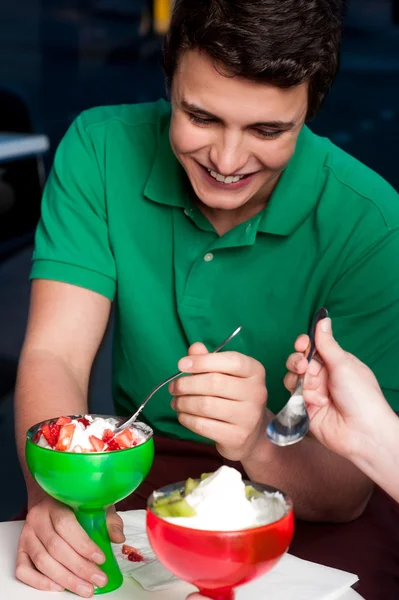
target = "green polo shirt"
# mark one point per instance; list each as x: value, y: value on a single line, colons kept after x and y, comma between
x: 117, y: 219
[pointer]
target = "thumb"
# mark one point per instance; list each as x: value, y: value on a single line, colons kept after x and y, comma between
x: 329, y: 350
x: 115, y: 526
x: 197, y: 348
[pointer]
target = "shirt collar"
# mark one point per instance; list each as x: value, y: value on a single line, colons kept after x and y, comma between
x: 167, y: 183
x: 298, y: 188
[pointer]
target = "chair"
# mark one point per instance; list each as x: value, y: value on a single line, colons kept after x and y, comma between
x: 21, y: 186
x: 21, y: 180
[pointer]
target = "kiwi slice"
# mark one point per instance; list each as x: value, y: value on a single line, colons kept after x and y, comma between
x: 205, y: 476
x: 252, y: 493
x: 174, y: 508
x: 168, y: 498
x: 190, y: 486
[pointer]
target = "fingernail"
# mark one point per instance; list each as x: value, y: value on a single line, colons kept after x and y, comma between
x: 98, y: 558
x: 84, y: 590
x: 99, y: 580
x: 326, y: 325
x: 57, y: 588
x: 185, y: 364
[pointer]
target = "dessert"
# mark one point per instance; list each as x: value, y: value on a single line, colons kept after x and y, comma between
x: 219, y: 502
x: 86, y: 434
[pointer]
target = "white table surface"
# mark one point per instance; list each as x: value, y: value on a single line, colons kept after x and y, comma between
x: 11, y: 589
x: 19, y: 145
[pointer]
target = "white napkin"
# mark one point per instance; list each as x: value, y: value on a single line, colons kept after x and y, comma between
x: 291, y: 579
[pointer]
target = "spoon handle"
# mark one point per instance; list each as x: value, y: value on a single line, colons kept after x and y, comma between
x: 319, y: 316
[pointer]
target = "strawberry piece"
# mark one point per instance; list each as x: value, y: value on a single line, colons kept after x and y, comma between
x: 85, y: 422
x: 65, y: 437
x: 124, y: 438
x: 113, y: 445
x: 135, y: 556
x: 97, y: 444
x: 51, y: 432
x: 108, y: 435
x: 132, y: 554
x: 64, y: 421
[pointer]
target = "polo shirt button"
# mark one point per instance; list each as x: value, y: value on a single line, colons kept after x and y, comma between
x: 186, y: 212
x: 208, y: 257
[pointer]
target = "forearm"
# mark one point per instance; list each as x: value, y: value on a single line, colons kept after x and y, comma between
x: 322, y: 485
x: 377, y: 454
x: 46, y: 388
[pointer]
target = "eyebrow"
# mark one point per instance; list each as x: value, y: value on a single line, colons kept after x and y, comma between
x: 281, y: 125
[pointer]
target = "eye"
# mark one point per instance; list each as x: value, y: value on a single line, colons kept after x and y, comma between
x: 270, y: 135
x: 200, y: 120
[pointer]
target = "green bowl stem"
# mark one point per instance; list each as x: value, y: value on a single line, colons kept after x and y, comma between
x: 95, y: 525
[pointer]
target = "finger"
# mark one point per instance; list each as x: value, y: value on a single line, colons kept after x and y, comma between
x: 297, y: 363
x: 71, y: 560
x: 214, y: 384
x: 197, y: 348
x: 314, y: 398
x: 310, y: 382
x: 302, y: 343
x: 216, y: 431
x: 290, y: 381
x: 330, y: 351
x: 315, y: 368
x: 195, y: 596
x: 47, y: 565
x: 27, y: 573
x: 229, y: 363
x: 115, y: 526
x: 209, y: 407
x: 68, y: 528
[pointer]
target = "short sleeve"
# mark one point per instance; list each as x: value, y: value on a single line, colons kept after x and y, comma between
x: 72, y: 238
x: 364, y: 306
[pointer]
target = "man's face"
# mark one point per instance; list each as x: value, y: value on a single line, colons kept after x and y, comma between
x: 232, y: 136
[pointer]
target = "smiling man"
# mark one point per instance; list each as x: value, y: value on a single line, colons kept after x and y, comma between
x: 218, y: 209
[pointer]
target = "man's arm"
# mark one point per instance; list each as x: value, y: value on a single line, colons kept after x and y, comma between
x: 66, y: 326
x: 322, y: 485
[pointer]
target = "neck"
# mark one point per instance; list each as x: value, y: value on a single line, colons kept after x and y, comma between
x: 224, y: 220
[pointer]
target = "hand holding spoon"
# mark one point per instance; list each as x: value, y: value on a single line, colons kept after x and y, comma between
x: 132, y: 419
x: 291, y: 424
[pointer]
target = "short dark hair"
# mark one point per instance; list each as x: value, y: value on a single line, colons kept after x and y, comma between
x: 282, y: 42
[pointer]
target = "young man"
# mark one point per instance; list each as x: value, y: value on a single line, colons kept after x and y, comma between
x: 217, y: 210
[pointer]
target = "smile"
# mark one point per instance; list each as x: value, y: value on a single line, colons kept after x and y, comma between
x: 227, y: 180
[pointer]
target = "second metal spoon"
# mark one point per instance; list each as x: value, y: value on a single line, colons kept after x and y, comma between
x: 291, y: 424
x: 133, y: 418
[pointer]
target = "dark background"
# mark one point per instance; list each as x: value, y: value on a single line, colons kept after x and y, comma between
x: 64, y: 56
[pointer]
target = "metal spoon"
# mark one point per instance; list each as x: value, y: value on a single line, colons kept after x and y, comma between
x: 291, y: 424
x: 132, y: 419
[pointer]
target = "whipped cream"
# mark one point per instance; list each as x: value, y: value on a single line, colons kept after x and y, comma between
x: 221, y: 505
x: 81, y: 437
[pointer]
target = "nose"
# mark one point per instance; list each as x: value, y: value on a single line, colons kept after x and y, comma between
x: 227, y: 154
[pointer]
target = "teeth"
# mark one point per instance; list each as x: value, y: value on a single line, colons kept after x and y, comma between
x: 226, y: 180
